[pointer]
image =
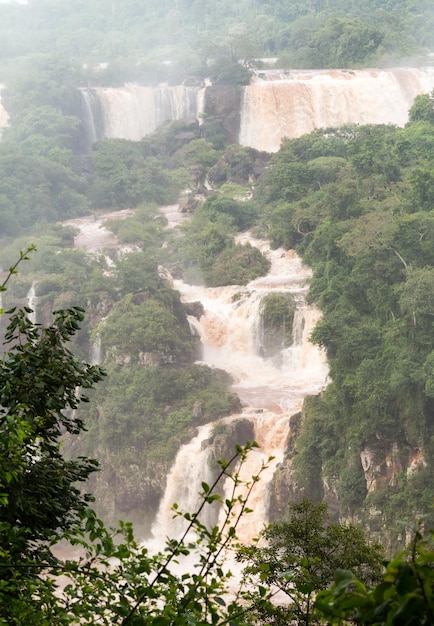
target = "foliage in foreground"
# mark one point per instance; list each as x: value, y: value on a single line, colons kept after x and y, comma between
x: 114, y: 580
x: 118, y: 581
x: 299, y: 558
x: 40, y: 388
x: 403, y: 597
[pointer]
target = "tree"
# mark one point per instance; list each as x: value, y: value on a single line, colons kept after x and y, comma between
x: 40, y: 383
x: 403, y: 597
x: 299, y: 559
x: 124, y: 175
x: 417, y: 295
x: 115, y: 581
x: 147, y: 327
x: 422, y: 109
x: 277, y: 317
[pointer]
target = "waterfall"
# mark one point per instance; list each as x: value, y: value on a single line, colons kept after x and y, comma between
x: 32, y: 301
x: 271, y: 390
x: 184, y: 485
x: 134, y: 111
x: 277, y: 104
x: 93, y: 237
x: 96, y: 350
x: 91, y: 116
x: 3, y: 114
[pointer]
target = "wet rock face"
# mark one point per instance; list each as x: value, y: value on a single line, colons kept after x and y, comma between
x: 195, y: 309
x: 282, y: 492
x: 140, y: 489
x: 129, y: 491
x: 382, y: 465
x: 223, y: 102
x: 227, y: 436
x: 189, y: 203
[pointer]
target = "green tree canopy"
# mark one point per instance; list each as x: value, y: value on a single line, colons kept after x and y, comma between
x: 299, y: 559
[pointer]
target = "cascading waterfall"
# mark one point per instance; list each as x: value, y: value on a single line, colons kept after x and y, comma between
x: 91, y: 116
x: 185, y: 488
x: 134, y: 111
x: 275, y: 105
x: 93, y: 237
x: 278, y: 104
x: 271, y: 390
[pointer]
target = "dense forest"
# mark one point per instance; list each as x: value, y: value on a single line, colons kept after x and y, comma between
x: 356, y: 203
x: 174, y: 39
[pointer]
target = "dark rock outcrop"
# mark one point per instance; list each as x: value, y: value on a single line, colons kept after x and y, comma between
x: 223, y: 102
x: 195, y: 309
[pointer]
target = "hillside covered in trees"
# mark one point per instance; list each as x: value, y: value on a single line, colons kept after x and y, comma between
x: 356, y: 203
x: 148, y: 41
x: 364, y: 224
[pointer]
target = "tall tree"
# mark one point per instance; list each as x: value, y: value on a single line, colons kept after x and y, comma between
x: 40, y: 390
x: 299, y: 559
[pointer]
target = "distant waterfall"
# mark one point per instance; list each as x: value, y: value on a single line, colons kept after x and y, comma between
x: 96, y: 356
x: 91, y: 116
x: 271, y: 390
x: 278, y: 104
x: 32, y: 301
x: 275, y: 105
x: 134, y: 111
x: 3, y: 114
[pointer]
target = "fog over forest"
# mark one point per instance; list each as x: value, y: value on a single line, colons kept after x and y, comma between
x: 217, y: 223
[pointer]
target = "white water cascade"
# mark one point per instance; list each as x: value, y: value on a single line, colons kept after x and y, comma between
x: 92, y: 236
x: 134, y: 111
x: 3, y: 114
x: 32, y: 302
x: 271, y: 390
x: 277, y: 104
x: 96, y: 356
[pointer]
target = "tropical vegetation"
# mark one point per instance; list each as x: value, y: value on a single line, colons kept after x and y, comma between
x: 357, y: 205
x: 133, y: 40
